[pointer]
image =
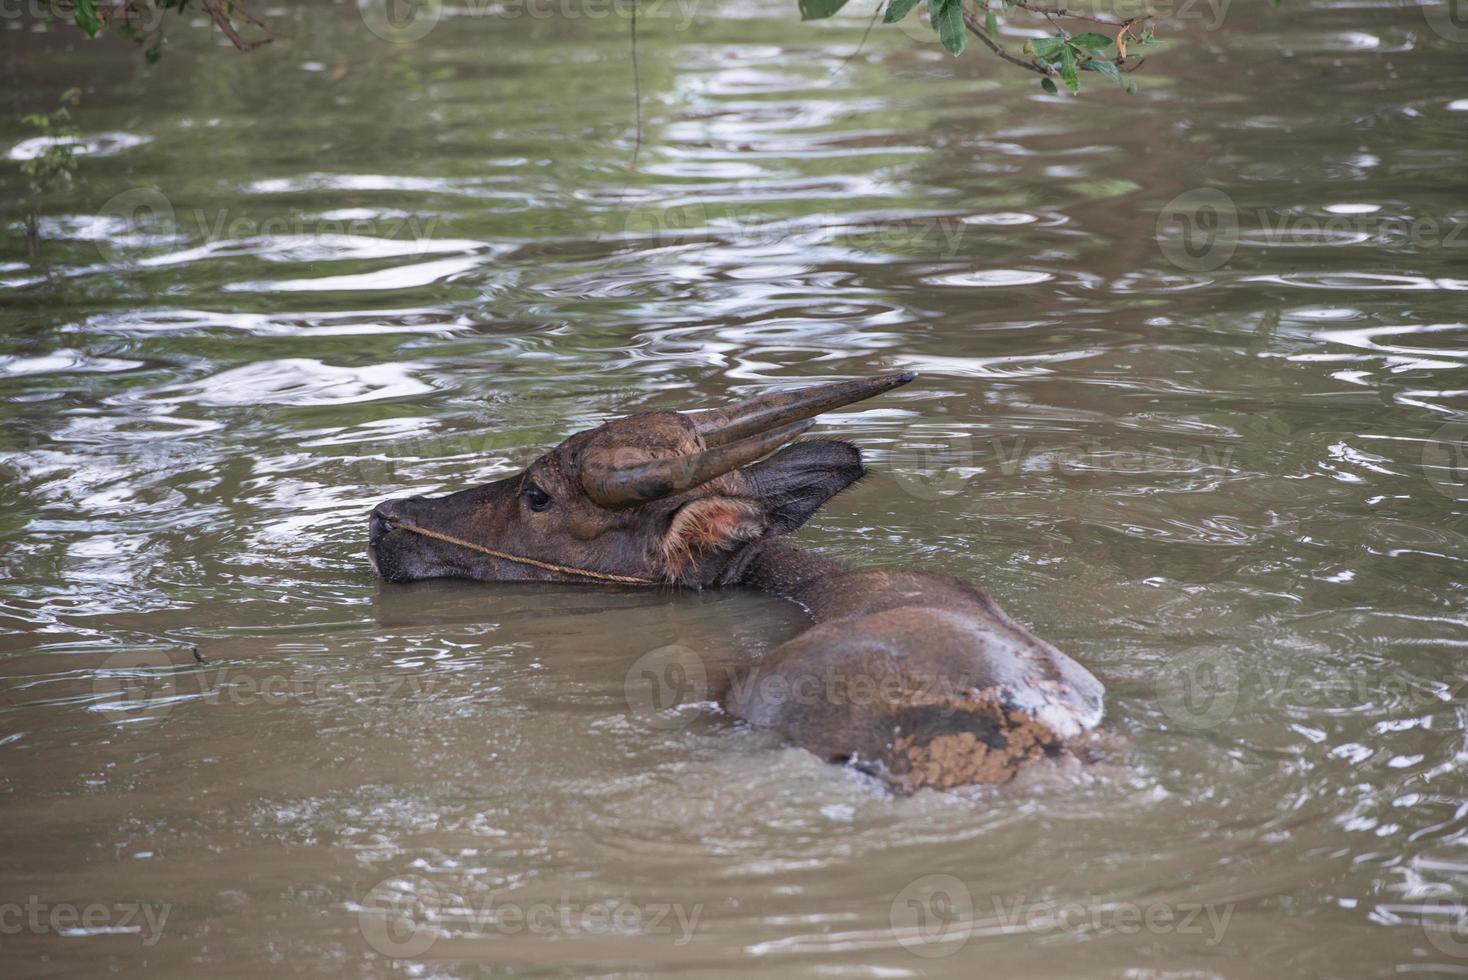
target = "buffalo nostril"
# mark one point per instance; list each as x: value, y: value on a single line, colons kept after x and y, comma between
x: 392, y: 510
x: 383, y: 518
x: 377, y: 527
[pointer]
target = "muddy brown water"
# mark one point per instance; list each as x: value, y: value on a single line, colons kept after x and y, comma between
x: 1211, y: 446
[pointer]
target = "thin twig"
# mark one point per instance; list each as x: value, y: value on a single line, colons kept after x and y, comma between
x: 863, y: 42
x: 245, y: 13
x: 1068, y: 14
x: 636, y: 91
x: 977, y: 30
x: 217, y: 11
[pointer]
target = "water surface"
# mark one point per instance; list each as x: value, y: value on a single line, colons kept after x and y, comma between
x: 1219, y: 463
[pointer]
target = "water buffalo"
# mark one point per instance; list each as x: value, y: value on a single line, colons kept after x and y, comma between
x: 917, y: 677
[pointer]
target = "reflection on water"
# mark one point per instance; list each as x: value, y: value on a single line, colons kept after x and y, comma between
x: 1216, y: 454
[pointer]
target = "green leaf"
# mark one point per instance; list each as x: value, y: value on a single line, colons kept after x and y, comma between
x: 1102, y: 67
x: 1045, y: 47
x: 1048, y: 85
x: 1091, y: 41
x: 949, y: 22
x: 817, y: 9
x: 86, y: 17
x: 898, y: 9
x: 1068, y: 69
x: 991, y: 23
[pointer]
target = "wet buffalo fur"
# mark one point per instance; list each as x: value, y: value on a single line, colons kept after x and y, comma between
x: 918, y: 677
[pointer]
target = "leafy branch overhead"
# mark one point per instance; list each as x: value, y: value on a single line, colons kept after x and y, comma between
x: 138, y: 19
x: 1063, y: 55
x: 54, y: 162
x: 1102, y: 47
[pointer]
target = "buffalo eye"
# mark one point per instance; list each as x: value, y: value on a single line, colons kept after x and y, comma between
x: 537, y: 498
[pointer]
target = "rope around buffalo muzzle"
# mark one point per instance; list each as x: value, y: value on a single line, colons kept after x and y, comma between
x: 519, y: 559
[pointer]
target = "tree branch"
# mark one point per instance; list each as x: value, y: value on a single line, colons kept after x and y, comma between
x: 1069, y: 14
x: 221, y: 16
x: 977, y: 30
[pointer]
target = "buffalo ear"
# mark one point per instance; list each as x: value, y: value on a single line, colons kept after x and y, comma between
x: 796, y: 481
x: 704, y: 532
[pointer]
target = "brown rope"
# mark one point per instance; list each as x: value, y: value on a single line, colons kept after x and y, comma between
x: 566, y: 569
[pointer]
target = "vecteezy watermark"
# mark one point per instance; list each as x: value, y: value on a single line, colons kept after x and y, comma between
x: 665, y: 687
x: 1287, y: 687
x: 751, y: 226
x: 1445, y: 460
x: 1200, y: 230
x: 142, y: 687
x: 1448, y: 19
x: 662, y: 684
x: 933, y: 916
x: 1189, y: 15
x: 947, y: 461
x: 402, y: 918
x: 141, y: 223
x: 233, y: 686
x: 1203, y: 689
x: 1195, y: 15
x: 137, y: 218
x: 936, y: 915
x: 1445, y: 923
x: 1208, y: 15
x: 400, y: 21
x: 1199, y: 690
x: 399, y: 917
x: 409, y: 460
x: 138, y: 686
x: 142, y: 17
x: 37, y: 917
x: 406, y: 21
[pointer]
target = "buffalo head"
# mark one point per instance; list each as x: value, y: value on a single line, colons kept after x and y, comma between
x: 664, y: 497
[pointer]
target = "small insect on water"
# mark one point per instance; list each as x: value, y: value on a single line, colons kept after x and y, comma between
x: 917, y: 677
